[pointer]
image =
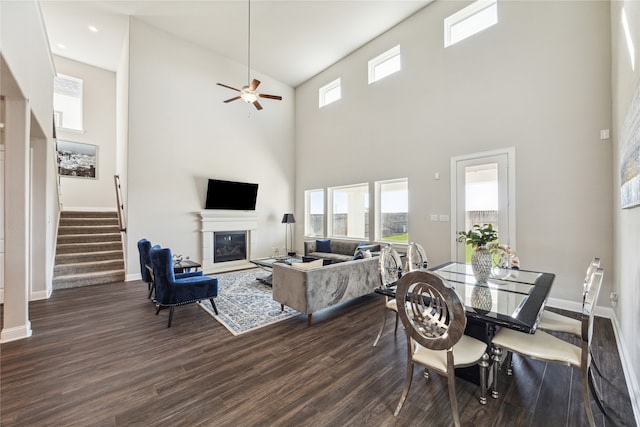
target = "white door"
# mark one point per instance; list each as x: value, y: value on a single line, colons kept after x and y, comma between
x: 483, y: 192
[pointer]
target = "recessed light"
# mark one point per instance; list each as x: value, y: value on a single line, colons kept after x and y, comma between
x: 62, y: 46
x: 93, y: 29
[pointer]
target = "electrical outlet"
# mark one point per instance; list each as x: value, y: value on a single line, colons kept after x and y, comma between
x: 613, y: 297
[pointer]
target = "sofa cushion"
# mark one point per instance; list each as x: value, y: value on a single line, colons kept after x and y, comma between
x: 323, y: 246
x: 359, y: 254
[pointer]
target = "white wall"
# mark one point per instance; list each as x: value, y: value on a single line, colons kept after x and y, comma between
x: 181, y: 134
x: 627, y: 221
x: 99, y: 122
x: 539, y: 81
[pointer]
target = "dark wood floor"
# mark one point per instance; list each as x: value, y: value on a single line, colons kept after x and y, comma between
x: 100, y: 357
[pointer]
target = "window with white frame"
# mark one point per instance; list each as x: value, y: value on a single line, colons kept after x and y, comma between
x: 67, y: 102
x: 314, y: 213
x: 392, y: 211
x: 385, y: 64
x: 329, y: 93
x: 468, y: 21
x: 349, y: 211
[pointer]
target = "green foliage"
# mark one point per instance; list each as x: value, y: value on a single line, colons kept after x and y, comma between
x: 478, y: 236
x: 401, y: 238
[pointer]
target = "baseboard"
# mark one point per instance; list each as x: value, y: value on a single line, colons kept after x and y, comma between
x: 576, y: 307
x: 132, y: 277
x: 40, y: 295
x: 628, y: 368
x: 17, y: 333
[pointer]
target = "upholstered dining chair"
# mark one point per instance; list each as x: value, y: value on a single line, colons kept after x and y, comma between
x: 434, y: 320
x: 417, y: 257
x: 548, y: 348
x: 172, y: 291
x: 555, y: 322
x: 390, y: 267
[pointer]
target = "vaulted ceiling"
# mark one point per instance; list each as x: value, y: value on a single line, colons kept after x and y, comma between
x: 291, y: 41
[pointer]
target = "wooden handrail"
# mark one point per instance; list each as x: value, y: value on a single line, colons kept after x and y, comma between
x: 121, y: 221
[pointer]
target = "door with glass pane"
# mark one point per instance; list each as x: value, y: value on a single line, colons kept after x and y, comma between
x: 483, y: 192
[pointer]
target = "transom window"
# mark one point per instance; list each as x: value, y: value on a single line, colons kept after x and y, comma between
x: 67, y: 102
x: 472, y: 19
x: 330, y: 93
x: 384, y: 64
x: 349, y: 211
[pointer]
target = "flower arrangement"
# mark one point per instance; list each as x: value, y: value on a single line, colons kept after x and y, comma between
x: 478, y: 236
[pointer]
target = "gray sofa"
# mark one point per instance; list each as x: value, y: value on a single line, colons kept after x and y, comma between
x: 341, y: 250
x: 308, y: 291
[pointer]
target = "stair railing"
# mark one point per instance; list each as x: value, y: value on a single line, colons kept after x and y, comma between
x: 121, y: 221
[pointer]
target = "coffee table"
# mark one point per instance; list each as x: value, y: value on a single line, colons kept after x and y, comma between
x: 267, y: 265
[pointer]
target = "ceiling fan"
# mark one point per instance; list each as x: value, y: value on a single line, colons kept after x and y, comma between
x: 248, y: 93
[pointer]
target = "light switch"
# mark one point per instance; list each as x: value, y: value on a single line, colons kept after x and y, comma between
x: 444, y: 218
x: 436, y: 175
x: 434, y: 217
x: 604, y: 134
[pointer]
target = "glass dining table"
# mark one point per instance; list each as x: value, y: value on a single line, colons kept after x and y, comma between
x: 510, y: 298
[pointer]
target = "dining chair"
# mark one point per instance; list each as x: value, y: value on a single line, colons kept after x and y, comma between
x: 417, y: 257
x: 434, y: 320
x: 390, y: 267
x: 551, y: 321
x: 548, y: 348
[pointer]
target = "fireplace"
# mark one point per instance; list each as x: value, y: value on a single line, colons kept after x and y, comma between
x: 236, y: 232
x: 229, y: 246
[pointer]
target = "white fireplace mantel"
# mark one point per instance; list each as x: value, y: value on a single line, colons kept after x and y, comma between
x: 226, y: 220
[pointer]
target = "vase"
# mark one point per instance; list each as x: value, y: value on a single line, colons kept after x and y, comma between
x: 481, y: 299
x: 481, y: 264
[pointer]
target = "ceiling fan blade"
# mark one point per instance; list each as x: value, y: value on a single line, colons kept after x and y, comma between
x: 257, y: 105
x: 264, y: 95
x: 228, y: 87
x: 232, y: 99
x: 254, y: 84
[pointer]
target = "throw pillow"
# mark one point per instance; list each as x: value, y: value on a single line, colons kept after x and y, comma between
x: 323, y: 246
x: 358, y: 255
x: 307, y: 265
x: 366, y: 254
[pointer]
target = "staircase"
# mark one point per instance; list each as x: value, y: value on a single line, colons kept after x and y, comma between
x: 89, y: 250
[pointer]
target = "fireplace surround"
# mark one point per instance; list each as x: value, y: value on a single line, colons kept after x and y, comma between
x: 227, y: 222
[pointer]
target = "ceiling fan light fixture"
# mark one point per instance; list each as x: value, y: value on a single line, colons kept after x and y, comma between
x: 249, y: 98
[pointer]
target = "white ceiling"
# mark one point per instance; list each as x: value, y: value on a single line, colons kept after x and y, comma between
x: 291, y: 41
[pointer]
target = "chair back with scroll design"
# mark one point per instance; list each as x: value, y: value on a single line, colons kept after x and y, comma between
x: 434, y: 318
x: 417, y: 257
x: 390, y: 266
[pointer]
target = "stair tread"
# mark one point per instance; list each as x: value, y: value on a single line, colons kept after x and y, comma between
x: 85, y: 275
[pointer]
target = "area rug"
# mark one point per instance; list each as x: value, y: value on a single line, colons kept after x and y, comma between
x: 245, y: 304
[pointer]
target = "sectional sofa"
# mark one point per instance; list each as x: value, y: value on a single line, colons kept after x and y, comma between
x: 312, y: 289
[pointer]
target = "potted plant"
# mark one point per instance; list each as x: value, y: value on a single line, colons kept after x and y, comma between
x: 481, y: 238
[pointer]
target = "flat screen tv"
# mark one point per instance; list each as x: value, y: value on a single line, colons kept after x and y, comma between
x: 231, y: 195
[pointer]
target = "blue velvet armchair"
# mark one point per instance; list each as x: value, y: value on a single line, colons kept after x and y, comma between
x: 172, y: 291
x: 144, y: 248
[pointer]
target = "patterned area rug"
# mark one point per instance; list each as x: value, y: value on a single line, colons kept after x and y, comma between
x: 245, y: 304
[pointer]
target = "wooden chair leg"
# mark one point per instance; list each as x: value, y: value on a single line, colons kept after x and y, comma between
x: 309, y: 319
x: 170, y: 316
x: 213, y: 304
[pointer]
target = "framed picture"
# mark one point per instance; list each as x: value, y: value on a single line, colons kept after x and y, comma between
x: 77, y: 159
x: 630, y: 159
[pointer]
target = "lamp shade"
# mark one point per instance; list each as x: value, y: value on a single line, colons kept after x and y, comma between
x: 288, y: 218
